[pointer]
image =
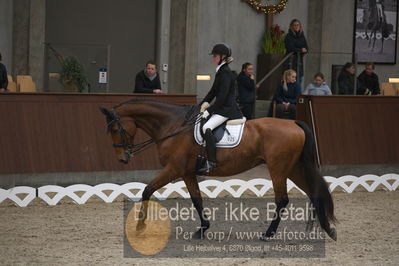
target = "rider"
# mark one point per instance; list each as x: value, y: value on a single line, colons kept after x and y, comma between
x: 224, y: 106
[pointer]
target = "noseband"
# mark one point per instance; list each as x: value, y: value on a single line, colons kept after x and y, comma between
x: 132, y: 149
x: 126, y: 144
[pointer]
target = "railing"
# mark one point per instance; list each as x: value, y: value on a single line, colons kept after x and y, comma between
x: 274, y: 69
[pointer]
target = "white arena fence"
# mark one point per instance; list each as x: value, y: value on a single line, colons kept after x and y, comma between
x: 211, y: 188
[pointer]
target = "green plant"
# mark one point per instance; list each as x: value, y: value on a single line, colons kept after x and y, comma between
x: 273, y: 41
x: 73, y: 74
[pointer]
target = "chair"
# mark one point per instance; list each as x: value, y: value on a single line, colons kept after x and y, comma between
x: 12, y: 86
x: 25, y: 83
x: 396, y: 85
x: 388, y: 89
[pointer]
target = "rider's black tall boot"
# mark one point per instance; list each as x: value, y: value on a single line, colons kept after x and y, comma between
x: 211, y: 152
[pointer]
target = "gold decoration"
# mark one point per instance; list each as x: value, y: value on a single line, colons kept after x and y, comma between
x: 268, y: 9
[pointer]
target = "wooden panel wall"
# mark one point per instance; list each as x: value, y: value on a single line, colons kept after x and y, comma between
x: 43, y: 133
x: 353, y: 129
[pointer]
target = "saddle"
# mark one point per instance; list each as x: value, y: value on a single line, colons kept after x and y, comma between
x: 227, y: 135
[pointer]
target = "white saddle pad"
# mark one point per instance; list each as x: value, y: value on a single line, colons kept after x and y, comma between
x: 228, y: 141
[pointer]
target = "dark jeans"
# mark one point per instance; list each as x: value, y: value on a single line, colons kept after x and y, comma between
x: 282, y: 113
x: 247, y: 110
x: 299, y: 81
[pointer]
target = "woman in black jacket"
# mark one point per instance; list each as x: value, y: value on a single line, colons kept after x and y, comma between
x: 346, y: 79
x: 224, y: 107
x: 246, y: 90
x: 286, y: 95
x: 295, y: 41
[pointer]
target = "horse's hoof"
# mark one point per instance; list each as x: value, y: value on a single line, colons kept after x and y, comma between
x: 200, y: 234
x: 140, y: 227
x: 333, y: 234
x: 266, y: 236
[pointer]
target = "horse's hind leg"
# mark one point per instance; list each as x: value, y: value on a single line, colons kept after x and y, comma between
x: 195, y: 193
x: 162, y: 179
x: 281, y: 199
x: 297, y: 176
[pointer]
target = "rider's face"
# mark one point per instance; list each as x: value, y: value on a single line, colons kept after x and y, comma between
x: 216, y: 59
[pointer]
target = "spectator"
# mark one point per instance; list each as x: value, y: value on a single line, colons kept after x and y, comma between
x: 147, y: 80
x: 346, y: 79
x: 246, y: 90
x: 3, y: 77
x: 295, y: 41
x: 318, y: 87
x: 287, y: 92
x: 367, y: 81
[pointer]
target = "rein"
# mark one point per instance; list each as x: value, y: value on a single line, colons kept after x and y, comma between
x: 192, y: 117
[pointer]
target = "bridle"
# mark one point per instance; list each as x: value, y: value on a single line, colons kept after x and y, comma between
x: 132, y: 149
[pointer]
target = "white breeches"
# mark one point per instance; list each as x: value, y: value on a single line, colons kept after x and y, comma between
x: 214, y: 122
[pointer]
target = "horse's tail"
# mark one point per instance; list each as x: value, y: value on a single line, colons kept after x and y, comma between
x: 319, y: 192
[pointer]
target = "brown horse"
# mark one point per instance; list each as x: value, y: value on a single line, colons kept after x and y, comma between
x: 286, y: 146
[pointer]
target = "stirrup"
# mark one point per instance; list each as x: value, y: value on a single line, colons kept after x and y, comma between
x: 209, y: 166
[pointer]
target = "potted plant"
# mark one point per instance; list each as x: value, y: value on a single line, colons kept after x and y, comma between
x: 73, y: 76
x: 273, y: 50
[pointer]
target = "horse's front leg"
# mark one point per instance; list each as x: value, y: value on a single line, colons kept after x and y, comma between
x: 166, y: 176
x: 195, y: 193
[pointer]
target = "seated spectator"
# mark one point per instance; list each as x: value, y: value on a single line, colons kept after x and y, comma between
x: 367, y: 81
x: 246, y: 90
x: 346, y: 79
x: 318, y: 87
x: 147, y: 80
x: 3, y: 77
x: 287, y: 92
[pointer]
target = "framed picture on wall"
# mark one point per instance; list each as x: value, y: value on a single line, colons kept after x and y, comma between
x: 375, y: 31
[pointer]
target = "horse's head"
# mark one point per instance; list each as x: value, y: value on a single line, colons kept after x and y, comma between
x: 123, y: 130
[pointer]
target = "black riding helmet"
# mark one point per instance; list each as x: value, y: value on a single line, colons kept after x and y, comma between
x: 221, y: 49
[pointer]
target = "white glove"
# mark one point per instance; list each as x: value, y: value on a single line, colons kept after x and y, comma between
x: 204, y: 106
x: 205, y: 114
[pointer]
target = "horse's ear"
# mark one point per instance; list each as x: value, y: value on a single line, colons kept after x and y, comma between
x: 105, y: 111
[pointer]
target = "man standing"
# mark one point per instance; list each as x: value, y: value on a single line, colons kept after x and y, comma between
x: 367, y: 81
x: 147, y: 80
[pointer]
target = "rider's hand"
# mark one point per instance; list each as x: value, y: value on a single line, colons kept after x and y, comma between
x: 204, y: 106
x: 205, y: 114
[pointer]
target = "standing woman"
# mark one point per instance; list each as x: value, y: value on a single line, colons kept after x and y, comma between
x: 286, y: 95
x: 3, y: 77
x: 295, y: 41
x: 223, y: 108
x: 247, y: 90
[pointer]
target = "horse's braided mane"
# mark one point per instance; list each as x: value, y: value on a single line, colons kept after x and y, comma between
x: 140, y: 100
x: 189, y: 110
